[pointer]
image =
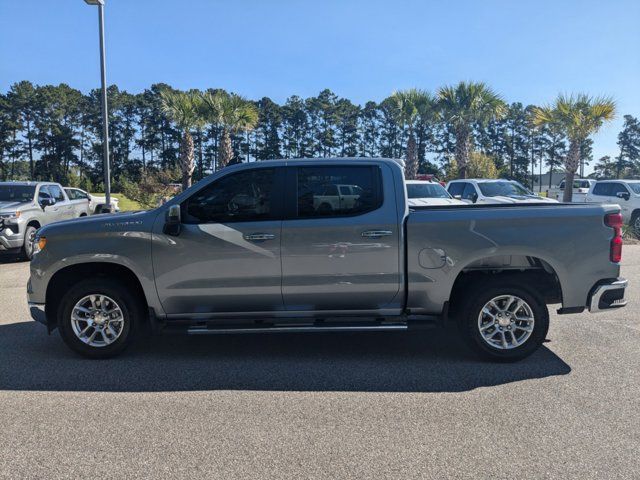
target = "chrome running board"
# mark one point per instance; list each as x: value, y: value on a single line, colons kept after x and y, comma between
x: 212, y: 330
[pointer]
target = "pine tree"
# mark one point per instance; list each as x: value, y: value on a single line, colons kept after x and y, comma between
x: 629, y: 143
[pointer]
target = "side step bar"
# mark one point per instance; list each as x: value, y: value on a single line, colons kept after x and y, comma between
x: 204, y: 330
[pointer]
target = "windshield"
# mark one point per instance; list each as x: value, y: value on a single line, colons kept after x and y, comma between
x: 17, y: 193
x: 635, y: 187
x: 502, y: 189
x: 426, y: 190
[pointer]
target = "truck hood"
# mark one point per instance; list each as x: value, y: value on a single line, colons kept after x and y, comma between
x: 13, y: 206
x: 521, y: 199
x: 425, y: 202
x: 109, y: 222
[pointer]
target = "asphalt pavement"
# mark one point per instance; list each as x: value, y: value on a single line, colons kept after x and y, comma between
x: 365, y: 405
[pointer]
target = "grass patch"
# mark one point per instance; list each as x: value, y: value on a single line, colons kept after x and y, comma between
x: 126, y: 204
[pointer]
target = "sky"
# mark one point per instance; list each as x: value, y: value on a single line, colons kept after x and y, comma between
x: 528, y: 51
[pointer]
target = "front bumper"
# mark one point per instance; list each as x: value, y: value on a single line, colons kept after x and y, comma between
x: 608, y: 295
x: 10, y: 241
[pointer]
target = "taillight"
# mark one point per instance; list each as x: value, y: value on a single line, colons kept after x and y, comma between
x: 614, y: 220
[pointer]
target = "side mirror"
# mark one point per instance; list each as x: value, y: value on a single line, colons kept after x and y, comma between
x: 624, y: 195
x: 172, y: 223
x: 47, y: 202
x: 458, y: 197
x: 474, y: 197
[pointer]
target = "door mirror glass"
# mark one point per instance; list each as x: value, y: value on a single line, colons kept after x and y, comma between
x: 47, y: 202
x: 172, y: 224
x: 624, y: 195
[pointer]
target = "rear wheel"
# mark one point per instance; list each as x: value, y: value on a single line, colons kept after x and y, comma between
x: 325, y: 209
x: 97, y: 318
x: 504, y: 320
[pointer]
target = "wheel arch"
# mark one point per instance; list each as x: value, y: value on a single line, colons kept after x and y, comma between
x: 536, y: 275
x: 68, y: 276
x: 34, y: 223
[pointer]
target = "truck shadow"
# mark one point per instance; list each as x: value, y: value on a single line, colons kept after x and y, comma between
x: 429, y: 361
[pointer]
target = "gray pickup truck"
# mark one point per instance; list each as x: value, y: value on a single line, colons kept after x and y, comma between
x: 27, y: 206
x: 253, y: 249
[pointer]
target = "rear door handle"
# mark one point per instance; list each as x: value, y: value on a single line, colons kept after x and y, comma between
x: 376, y: 233
x: 257, y: 237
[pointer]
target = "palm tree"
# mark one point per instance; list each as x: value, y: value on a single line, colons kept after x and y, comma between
x: 462, y: 107
x: 185, y: 110
x: 579, y: 116
x: 234, y: 113
x: 412, y: 104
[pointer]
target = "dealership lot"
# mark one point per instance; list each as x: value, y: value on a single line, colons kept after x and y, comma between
x: 377, y: 405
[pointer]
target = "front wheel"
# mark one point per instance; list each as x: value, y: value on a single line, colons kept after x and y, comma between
x: 635, y: 224
x: 97, y: 318
x: 504, y: 320
x: 29, y: 240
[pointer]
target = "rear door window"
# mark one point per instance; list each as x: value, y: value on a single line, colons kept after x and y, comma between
x: 602, y: 189
x: 360, y: 190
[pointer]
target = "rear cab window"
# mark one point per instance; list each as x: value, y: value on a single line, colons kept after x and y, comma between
x: 334, y: 191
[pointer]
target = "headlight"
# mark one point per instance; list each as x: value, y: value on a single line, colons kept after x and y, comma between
x: 10, y: 215
x: 39, y: 243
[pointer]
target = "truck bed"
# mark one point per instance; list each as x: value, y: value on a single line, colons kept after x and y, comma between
x: 569, y: 241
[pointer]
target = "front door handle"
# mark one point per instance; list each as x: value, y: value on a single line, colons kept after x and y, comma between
x: 258, y: 237
x: 376, y: 233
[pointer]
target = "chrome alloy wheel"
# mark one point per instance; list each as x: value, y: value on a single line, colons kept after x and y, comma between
x: 506, y: 322
x: 97, y: 320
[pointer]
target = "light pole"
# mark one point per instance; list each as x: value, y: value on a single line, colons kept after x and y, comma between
x: 105, y: 112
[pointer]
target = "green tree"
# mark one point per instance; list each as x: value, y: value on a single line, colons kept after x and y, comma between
x: 268, y: 130
x: 579, y: 116
x: 629, y: 143
x: 606, y: 167
x: 461, y: 107
x: 411, y: 105
x: 22, y: 98
x: 369, y: 130
x: 479, y: 165
x: 235, y: 114
x: 347, y: 127
x: 185, y: 110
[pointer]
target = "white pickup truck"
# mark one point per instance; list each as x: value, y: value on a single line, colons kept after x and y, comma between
x: 625, y: 193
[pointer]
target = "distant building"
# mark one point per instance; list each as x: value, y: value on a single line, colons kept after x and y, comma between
x: 556, y: 178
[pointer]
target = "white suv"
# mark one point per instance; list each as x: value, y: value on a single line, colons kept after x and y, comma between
x: 490, y: 191
x: 625, y: 193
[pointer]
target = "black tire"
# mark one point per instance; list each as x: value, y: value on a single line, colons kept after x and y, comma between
x: 27, y: 247
x: 129, y: 304
x: 475, y: 299
x: 635, y: 224
x: 325, y: 209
